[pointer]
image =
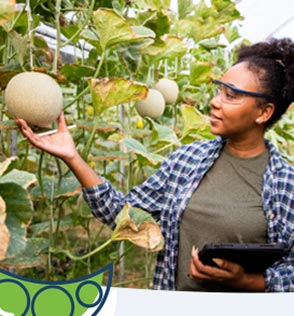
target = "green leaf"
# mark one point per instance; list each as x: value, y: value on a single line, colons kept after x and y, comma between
x: 210, y: 44
x: 23, y: 178
x: 143, y: 31
x: 162, y: 134
x: 74, y: 73
x: 113, y: 29
x: 109, y: 92
x: 158, y: 21
x: 193, y: 119
x: 93, y: 39
x: 141, y: 152
x: 69, y: 31
x: 196, y: 125
x: 69, y: 186
x: 184, y: 8
x: 232, y: 33
x: 138, y: 227
x: 19, y: 211
x: 200, y: 72
x: 43, y: 227
x: 29, y: 256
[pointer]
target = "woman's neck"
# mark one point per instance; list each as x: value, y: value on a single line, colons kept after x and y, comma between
x: 246, y: 149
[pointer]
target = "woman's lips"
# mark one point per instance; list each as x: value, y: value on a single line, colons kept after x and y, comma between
x: 214, y: 118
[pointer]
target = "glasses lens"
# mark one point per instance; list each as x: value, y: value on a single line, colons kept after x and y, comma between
x: 228, y: 95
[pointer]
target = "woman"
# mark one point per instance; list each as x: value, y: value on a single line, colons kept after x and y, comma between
x: 235, y: 188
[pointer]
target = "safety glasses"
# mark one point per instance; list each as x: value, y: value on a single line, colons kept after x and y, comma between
x: 231, y: 95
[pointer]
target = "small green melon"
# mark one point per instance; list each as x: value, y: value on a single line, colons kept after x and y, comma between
x: 152, y: 106
x: 35, y: 97
x: 169, y: 89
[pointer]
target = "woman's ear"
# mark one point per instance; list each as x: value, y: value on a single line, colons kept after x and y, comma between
x: 266, y: 112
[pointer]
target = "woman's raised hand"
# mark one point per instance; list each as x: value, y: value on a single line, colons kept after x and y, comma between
x: 59, y: 144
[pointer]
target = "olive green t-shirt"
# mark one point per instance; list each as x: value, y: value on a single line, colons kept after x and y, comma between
x: 226, y: 207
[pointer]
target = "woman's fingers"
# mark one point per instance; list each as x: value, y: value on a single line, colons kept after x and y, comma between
x: 225, y: 270
x: 62, y: 127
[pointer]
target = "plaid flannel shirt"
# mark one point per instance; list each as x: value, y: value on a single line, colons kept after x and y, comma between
x: 166, y: 194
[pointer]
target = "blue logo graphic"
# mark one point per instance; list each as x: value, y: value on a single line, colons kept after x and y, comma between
x: 21, y: 296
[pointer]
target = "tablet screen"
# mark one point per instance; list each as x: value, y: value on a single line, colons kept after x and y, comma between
x: 255, y: 258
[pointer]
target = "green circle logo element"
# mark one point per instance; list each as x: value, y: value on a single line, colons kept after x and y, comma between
x: 21, y: 296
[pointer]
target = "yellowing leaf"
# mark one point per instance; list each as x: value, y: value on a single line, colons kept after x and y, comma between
x: 201, y: 72
x: 4, y: 233
x: 193, y: 119
x: 171, y: 47
x: 5, y: 164
x: 108, y: 92
x: 138, y: 227
x: 6, y: 10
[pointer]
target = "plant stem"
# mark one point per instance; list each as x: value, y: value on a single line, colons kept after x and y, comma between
x: 51, y: 228
x: 14, y: 22
x: 30, y: 32
x: 58, y: 42
x: 39, y: 173
x: 90, y: 141
x: 89, y: 254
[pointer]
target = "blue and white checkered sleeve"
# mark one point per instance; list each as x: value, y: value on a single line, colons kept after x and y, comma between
x: 106, y: 202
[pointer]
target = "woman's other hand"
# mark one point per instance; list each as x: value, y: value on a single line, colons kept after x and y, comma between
x: 226, y: 272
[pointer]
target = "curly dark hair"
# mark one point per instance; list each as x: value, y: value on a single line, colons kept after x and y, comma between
x: 273, y: 62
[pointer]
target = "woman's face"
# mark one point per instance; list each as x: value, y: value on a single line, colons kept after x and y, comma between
x: 234, y: 115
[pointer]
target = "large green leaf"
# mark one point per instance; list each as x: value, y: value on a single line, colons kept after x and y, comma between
x: 113, y: 29
x: 19, y: 211
x: 108, y: 92
x: 141, y: 152
x: 196, y: 125
x: 69, y: 186
x: 138, y: 227
x: 163, y: 135
x: 23, y: 178
x: 193, y: 118
x: 30, y: 256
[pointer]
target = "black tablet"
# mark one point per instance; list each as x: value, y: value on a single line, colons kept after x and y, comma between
x: 254, y: 257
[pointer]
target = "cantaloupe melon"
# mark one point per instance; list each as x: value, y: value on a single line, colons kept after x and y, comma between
x: 152, y: 106
x: 169, y: 89
x: 35, y: 97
